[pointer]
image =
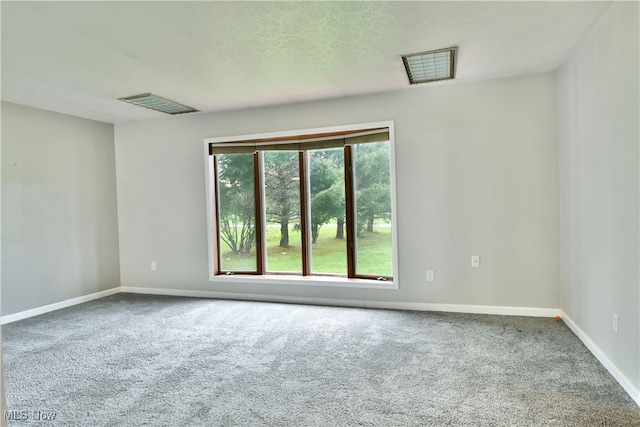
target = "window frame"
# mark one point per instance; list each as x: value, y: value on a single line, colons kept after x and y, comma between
x: 288, y: 279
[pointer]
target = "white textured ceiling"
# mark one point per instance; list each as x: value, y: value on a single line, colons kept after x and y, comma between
x: 78, y: 57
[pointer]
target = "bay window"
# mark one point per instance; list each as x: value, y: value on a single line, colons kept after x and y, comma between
x: 316, y: 205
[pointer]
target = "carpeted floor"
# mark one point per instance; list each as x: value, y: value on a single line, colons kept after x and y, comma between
x: 132, y: 360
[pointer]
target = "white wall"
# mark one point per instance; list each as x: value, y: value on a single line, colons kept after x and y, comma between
x: 59, y: 215
x: 598, y: 102
x: 3, y: 401
x: 477, y: 175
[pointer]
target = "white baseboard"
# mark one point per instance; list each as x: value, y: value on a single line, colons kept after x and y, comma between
x: 466, y: 308
x: 245, y: 297
x: 453, y: 308
x: 603, y: 359
x: 56, y: 306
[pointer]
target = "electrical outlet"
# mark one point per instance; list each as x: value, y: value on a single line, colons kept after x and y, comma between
x: 615, y: 323
x: 475, y: 261
x: 153, y: 266
x: 430, y: 277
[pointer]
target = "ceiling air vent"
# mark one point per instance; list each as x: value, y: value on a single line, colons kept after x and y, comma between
x: 430, y: 66
x: 158, y: 103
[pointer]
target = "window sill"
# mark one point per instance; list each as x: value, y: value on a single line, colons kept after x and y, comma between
x: 282, y: 279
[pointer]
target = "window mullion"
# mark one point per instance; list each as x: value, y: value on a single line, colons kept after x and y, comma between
x: 259, y: 197
x: 350, y: 211
x: 215, y: 183
x: 304, y: 212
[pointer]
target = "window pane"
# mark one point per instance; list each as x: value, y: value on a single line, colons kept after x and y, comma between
x: 282, y: 208
x: 326, y: 183
x: 237, y: 212
x: 373, y: 209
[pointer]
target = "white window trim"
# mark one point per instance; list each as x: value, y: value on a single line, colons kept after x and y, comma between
x: 275, y: 279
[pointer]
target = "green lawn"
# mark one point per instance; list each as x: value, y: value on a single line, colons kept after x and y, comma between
x: 328, y: 254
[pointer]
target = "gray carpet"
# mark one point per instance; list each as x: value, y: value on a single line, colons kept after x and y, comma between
x: 131, y: 360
